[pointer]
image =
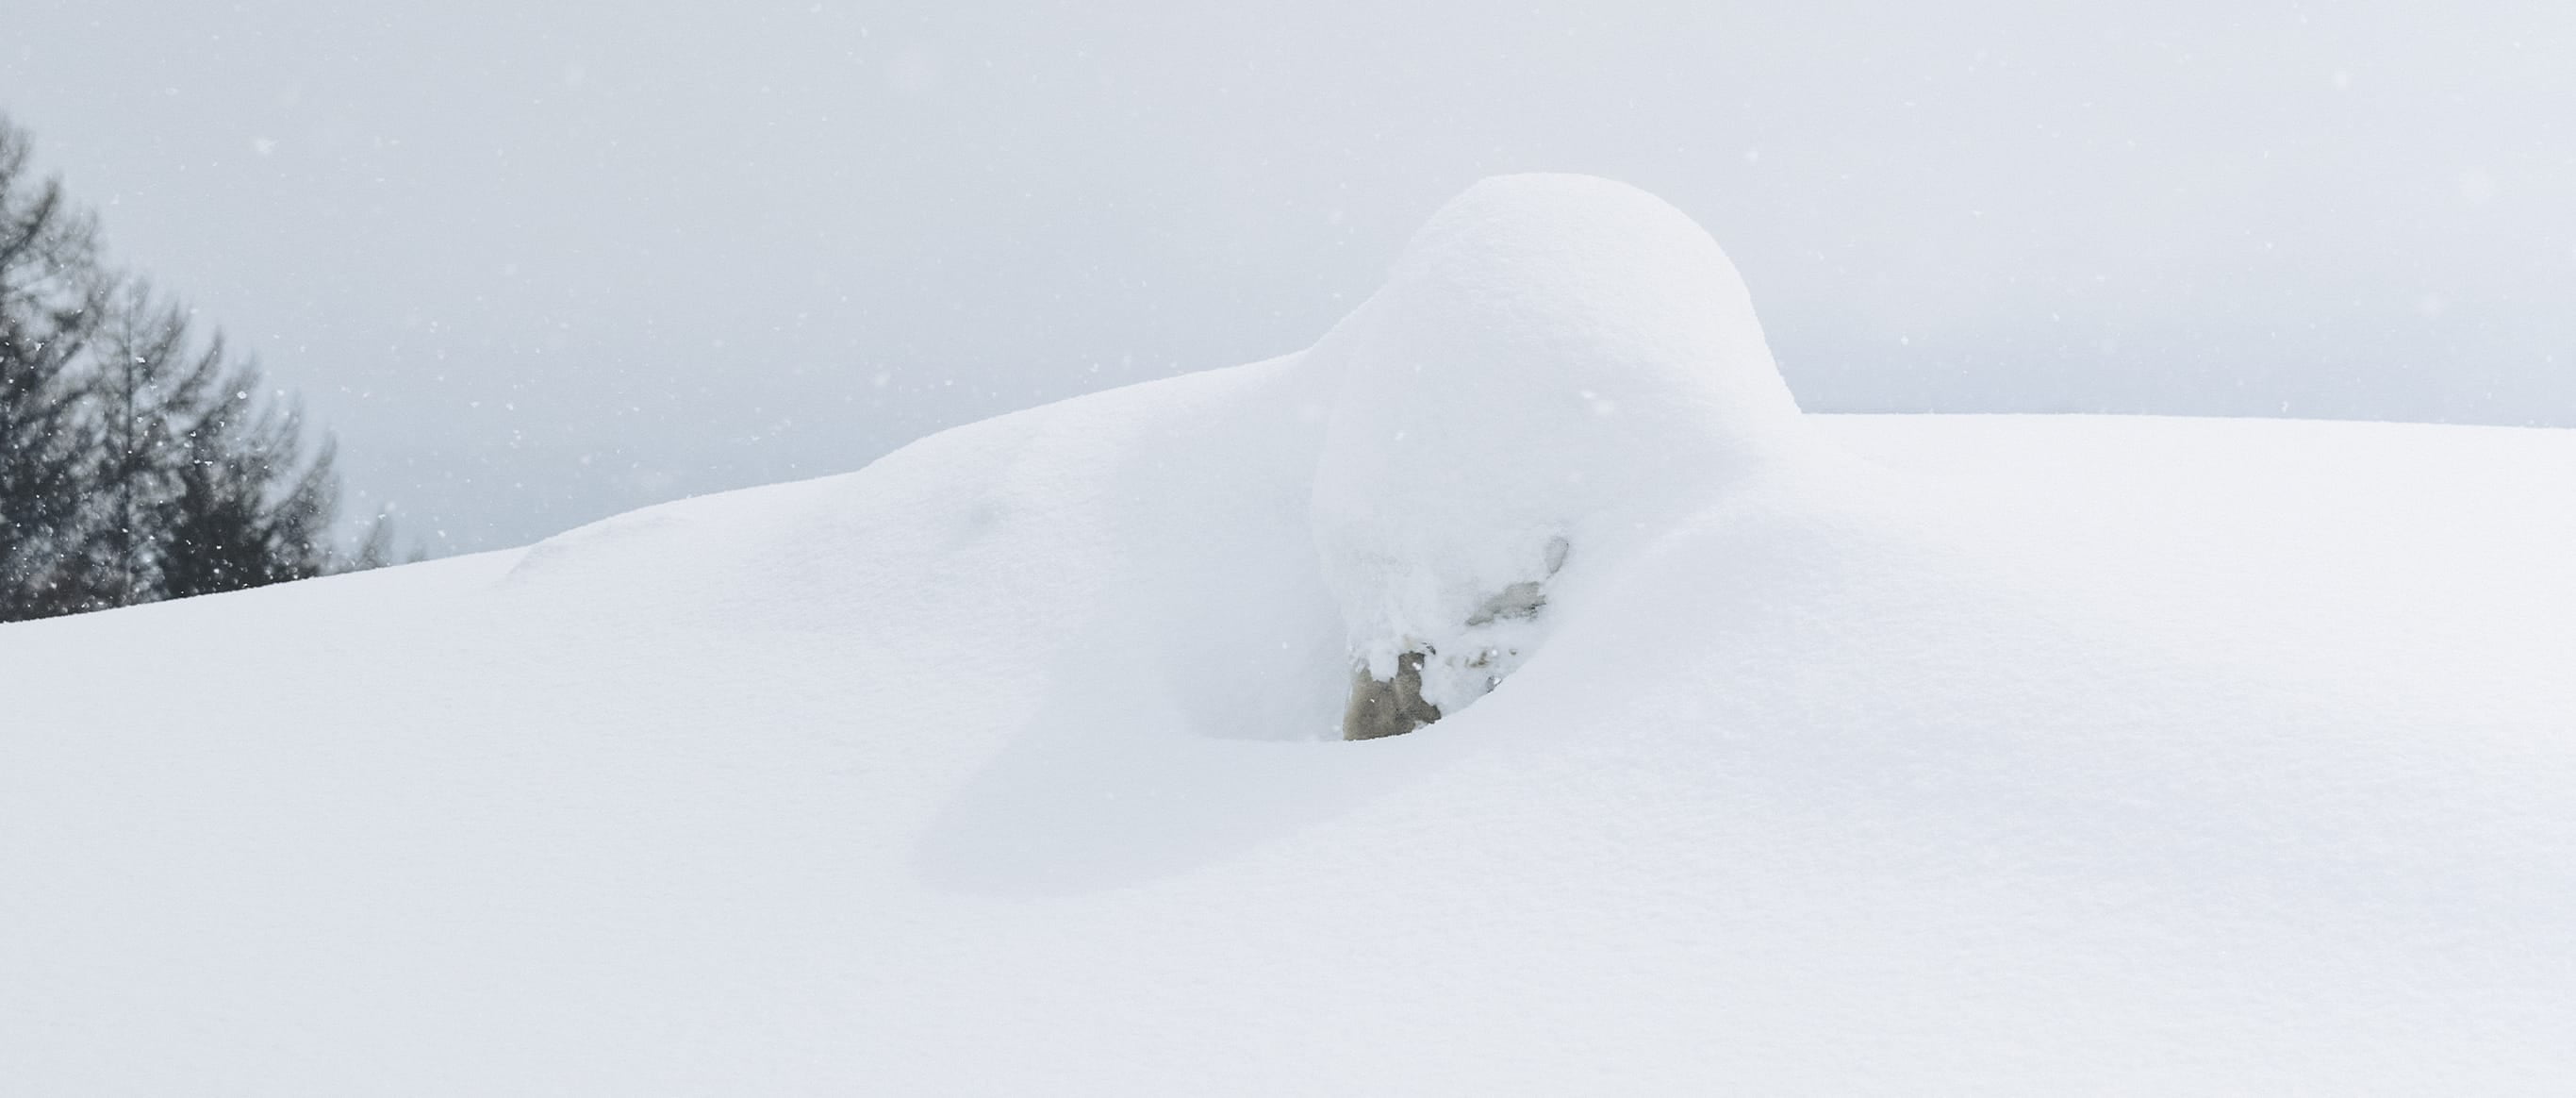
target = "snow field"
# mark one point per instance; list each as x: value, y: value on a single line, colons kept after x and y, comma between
x: 1845, y: 754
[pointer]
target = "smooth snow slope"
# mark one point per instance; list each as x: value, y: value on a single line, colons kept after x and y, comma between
x: 1915, y: 754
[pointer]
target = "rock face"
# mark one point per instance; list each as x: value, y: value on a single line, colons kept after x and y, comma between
x: 1390, y: 706
x: 1558, y: 368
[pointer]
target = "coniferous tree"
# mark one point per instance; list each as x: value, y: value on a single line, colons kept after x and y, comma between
x: 248, y: 509
x: 149, y: 381
x: 52, y: 296
x: 138, y: 462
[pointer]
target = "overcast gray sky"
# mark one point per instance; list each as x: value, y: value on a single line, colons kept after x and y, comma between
x: 539, y: 263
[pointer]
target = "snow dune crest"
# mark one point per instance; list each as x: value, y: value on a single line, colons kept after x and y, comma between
x: 1559, y: 369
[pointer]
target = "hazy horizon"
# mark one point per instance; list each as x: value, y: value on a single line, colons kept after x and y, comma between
x: 536, y: 267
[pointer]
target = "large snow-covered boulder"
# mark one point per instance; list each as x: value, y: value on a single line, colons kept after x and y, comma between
x: 1558, y: 366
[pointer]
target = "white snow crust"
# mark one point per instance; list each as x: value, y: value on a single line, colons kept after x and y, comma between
x: 1862, y: 754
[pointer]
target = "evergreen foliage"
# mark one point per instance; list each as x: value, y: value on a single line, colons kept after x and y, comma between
x: 139, y: 459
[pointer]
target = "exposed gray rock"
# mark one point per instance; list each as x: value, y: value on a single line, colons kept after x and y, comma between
x: 1382, y: 707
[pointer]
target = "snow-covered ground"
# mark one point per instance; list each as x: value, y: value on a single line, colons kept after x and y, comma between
x: 1821, y: 754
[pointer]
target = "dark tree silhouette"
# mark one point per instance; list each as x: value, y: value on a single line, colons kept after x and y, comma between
x: 52, y: 297
x: 248, y: 509
x: 138, y: 461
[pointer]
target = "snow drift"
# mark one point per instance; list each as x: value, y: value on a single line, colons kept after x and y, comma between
x: 1559, y: 367
x: 1836, y: 753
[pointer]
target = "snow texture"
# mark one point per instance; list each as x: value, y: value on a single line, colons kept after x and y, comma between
x: 1862, y: 754
x: 1558, y: 365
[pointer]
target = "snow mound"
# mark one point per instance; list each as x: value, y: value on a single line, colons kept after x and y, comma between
x: 1558, y: 367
